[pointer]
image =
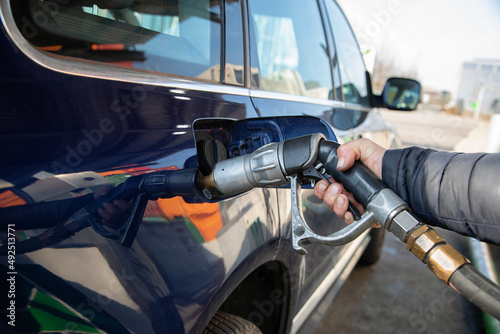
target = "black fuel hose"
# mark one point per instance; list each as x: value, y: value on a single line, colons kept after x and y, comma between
x: 477, y: 288
x: 42, y: 214
x: 49, y: 237
x: 161, y: 184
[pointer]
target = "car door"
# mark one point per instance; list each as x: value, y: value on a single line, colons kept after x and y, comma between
x: 357, y: 114
x: 96, y: 93
x: 294, y: 63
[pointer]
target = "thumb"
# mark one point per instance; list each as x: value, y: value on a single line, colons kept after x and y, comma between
x: 364, y: 150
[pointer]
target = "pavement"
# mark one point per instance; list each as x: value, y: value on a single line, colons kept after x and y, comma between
x: 398, y: 295
x: 476, y: 140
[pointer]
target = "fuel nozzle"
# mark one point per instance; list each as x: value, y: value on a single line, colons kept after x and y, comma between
x: 268, y: 166
x: 296, y: 161
x: 291, y: 161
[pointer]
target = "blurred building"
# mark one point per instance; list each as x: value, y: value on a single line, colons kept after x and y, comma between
x: 436, y: 98
x: 479, y: 87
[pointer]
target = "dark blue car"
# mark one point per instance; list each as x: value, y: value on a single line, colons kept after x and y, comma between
x: 95, y: 92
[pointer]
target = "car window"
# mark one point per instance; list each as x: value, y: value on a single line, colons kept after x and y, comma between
x: 233, y: 71
x: 352, y: 66
x: 178, y: 37
x: 291, y: 48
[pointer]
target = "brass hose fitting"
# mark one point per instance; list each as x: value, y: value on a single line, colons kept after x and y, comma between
x: 441, y: 258
x: 207, y: 181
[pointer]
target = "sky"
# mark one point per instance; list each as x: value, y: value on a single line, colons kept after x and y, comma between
x: 433, y: 36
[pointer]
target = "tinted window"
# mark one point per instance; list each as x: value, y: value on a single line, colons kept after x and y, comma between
x: 178, y: 37
x: 352, y: 66
x: 291, y: 48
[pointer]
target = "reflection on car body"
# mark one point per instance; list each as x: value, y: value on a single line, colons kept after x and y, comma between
x: 97, y: 92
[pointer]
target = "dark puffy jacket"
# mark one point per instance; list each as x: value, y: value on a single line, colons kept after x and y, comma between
x: 456, y: 191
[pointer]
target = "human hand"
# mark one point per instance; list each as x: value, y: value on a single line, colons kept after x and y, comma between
x: 113, y: 214
x: 335, y: 197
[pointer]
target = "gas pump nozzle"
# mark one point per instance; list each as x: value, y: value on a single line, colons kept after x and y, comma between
x: 269, y: 166
x: 305, y: 159
x: 299, y: 161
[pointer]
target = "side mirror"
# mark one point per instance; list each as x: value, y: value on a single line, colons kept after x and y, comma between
x: 401, y: 94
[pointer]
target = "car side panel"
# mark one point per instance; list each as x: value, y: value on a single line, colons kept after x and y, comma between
x: 308, y: 271
x: 54, y: 123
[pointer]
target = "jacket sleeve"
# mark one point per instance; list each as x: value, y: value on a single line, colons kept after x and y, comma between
x: 456, y: 191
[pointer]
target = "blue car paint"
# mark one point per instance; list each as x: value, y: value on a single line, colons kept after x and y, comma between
x: 170, y: 280
x: 61, y: 123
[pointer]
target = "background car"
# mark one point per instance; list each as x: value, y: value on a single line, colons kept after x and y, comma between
x: 97, y: 91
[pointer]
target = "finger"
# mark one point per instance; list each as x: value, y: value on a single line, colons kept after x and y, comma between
x: 111, y: 215
x: 358, y: 206
x: 360, y: 209
x: 114, y: 210
x: 320, y: 189
x: 110, y: 212
x: 123, y: 205
x: 331, y: 194
x: 341, y: 205
x: 105, y: 215
x: 348, y: 218
x: 346, y: 156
